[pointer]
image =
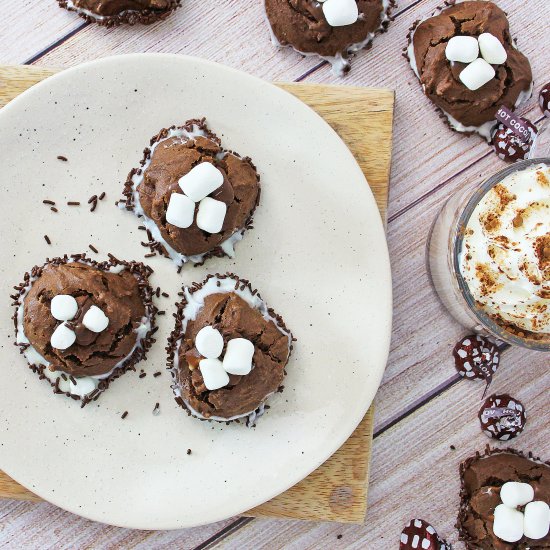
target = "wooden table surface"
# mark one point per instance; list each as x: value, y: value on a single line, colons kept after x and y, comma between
x: 422, y: 408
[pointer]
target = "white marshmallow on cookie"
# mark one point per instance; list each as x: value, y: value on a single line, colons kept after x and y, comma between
x: 213, y: 374
x: 536, y: 521
x: 200, y: 181
x: 477, y: 74
x: 209, y: 342
x: 492, y: 49
x: 211, y: 215
x: 508, y: 523
x: 514, y: 493
x: 463, y: 49
x: 95, y: 320
x: 180, y: 211
x: 63, y: 307
x: 63, y: 337
x: 340, y: 13
x: 238, y: 356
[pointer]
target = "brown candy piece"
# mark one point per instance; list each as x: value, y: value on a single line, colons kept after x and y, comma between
x: 476, y: 357
x: 509, y: 147
x: 420, y: 535
x: 544, y: 99
x: 502, y: 417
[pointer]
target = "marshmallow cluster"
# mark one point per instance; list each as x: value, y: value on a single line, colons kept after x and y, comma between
x: 196, y: 185
x: 480, y: 70
x: 237, y: 359
x: 340, y: 13
x: 64, y: 307
x: 510, y: 524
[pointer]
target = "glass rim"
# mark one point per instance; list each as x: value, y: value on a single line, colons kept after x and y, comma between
x: 484, y: 319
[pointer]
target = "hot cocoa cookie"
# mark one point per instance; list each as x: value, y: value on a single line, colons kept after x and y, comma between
x: 331, y: 29
x: 195, y: 198
x: 493, y: 511
x: 80, y: 324
x: 116, y: 12
x: 228, y: 351
x: 468, y: 65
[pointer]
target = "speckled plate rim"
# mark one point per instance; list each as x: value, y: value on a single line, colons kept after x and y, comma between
x: 260, y: 91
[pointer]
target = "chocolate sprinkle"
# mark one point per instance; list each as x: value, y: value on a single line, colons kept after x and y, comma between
x: 61, y: 157
x: 143, y: 375
x: 47, y: 239
x: 158, y: 373
x: 73, y: 203
x: 54, y: 209
x: 93, y: 248
x: 124, y: 415
x: 48, y: 201
x: 102, y: 196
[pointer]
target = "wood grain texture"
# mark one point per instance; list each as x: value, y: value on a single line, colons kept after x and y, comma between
x: 429, y: 163
x: 337, y: 491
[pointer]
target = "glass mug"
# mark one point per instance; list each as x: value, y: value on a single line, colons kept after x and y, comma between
x: 443, y: 258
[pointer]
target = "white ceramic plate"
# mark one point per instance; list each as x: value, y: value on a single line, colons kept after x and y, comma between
x: 317, y: 254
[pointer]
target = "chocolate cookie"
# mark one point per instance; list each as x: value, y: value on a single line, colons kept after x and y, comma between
x: 469, y: 93
x: 482, y: 477
x: 112, y: 13
x: 332, y: 29
x: 196, y: 199
x: 228, y: 350
x: 80, y: 324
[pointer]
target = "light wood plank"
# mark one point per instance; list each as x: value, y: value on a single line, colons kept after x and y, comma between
x: 31, y: 526
x: 30, y: 26
x: 414, y: 471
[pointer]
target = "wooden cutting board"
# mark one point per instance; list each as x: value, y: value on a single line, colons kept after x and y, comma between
x: 363, y: 117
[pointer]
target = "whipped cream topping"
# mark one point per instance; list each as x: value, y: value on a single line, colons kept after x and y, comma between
x: 505, y: 257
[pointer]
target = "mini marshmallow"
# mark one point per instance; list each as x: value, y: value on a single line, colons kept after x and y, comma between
x: 63, y: 307
x: 83, y: 386
x: 238, y: 356
x: 95, y: 320
x: 513, y: 493
x: 491, y: 49
x: 477, y: 74
x: 213, y: 374
x: 209, y: 342
x: 340, y: 13
x: 536, y: 520
x: 211, y: 215
x: 180, y: 211
x: 508, y: 523
x: 462, y: 48
x: 63, y: 337
x: 202, y: 180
